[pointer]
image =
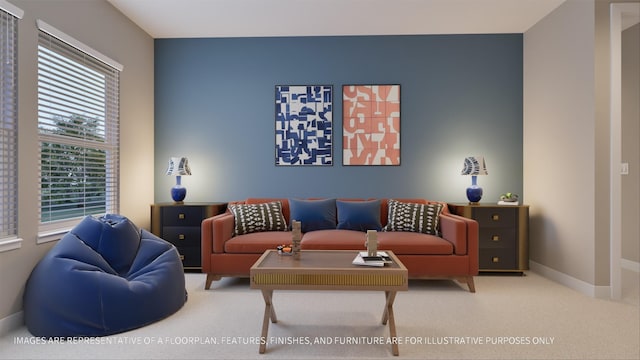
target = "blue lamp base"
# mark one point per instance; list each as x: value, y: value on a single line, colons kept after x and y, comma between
x: 474, y: 192
x: 178, y: 192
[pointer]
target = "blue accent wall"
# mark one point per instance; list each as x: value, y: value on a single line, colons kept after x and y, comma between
x: 461, y: 95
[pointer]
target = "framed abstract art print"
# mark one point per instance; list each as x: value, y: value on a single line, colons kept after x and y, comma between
x: 304, y: 125
x: 371, y: 125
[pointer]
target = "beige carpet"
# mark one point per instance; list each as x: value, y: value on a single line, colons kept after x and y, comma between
x: 510, y: 317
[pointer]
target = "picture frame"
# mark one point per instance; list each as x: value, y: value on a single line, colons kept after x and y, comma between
x: 371, y: 125
x: 304, y: 125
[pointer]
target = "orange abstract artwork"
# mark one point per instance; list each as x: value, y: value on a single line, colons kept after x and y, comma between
x: 371, y: 125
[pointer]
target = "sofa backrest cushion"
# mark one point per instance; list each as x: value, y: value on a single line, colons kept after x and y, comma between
x: 384, y: 206
x: 314, y: 214
x: 359, y: 215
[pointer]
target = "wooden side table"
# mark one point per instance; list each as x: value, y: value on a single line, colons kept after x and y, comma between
x: 504, y: 235
x: 180, y: 224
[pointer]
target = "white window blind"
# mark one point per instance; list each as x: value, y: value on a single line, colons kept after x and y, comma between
x: 78, y: 122
x: 8, y: 123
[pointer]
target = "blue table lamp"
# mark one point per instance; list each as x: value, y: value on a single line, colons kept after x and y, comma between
x: 178, y: 166
x: 474, y: 166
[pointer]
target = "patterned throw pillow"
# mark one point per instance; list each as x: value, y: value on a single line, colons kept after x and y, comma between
x: 250, y: 218
x: 413, y: 217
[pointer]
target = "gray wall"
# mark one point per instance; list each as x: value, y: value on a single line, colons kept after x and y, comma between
x: 559, y: 140
x: 102, y: 27
x: 566, y: 133
x: 461, y: 95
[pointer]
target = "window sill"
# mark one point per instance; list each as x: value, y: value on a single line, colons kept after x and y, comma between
x: 10, y: 244
x: 54, y: 235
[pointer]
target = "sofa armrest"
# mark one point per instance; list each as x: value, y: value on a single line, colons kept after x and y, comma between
x: 215, y: 231
x: 455, y: 231
x: 462, y: 232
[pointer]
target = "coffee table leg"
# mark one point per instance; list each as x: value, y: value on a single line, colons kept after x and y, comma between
x: 269, y: 314
x: 387, y: 316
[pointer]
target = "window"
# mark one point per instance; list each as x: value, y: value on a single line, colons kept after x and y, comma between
x: 78, y: 123
x: 9, y: 16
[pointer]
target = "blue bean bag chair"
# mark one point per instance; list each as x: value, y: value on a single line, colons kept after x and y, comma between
x: 104, y: 277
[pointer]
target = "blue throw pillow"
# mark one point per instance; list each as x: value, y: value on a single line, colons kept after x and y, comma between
x: 313, y: 214
x: 359, y: 215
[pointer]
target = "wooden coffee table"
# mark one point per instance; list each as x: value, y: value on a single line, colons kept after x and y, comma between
x: 326, y: 270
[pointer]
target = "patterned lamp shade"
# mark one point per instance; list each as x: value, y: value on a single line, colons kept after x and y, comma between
x: 178, y: 166
x: 474, y: 165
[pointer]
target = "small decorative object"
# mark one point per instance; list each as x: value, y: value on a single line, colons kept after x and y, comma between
x: 284, y: 249
x: 178, y: 166
x: 371, y: 243
x: 508, y: 199
x: 296, y: 234
x: 474, y: 166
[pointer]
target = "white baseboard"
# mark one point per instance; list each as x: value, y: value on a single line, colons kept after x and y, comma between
x: 601, y: 292
x: 11, y: 323
x: 630, y: 265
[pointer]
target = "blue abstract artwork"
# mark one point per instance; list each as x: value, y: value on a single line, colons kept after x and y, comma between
x: 304, y: 124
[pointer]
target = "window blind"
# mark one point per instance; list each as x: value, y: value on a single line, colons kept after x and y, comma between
x: 78, y: 123
x: 8, y: 125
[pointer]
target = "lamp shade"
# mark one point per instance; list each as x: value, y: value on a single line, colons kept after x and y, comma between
x: 474, y: 165
x: 178, y: 166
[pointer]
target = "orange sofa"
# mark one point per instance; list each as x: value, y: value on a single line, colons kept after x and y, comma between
x: 451, y: 252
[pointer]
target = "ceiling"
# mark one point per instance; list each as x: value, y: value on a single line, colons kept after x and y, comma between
x: 255, y: 18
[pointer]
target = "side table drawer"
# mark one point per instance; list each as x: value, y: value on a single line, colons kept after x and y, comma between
x: 495, y: 237
x: 182, y: 235
x: 182, y: 216
x: 190, y: 256
x: 495, y: 216
x: 497, y: 259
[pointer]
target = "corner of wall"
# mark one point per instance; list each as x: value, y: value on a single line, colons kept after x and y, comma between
x: 600, y: 292
x: 11, y: 323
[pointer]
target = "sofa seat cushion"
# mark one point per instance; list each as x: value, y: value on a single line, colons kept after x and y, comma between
x: 412, y: 243
x: 257, y: 243
x: 333, y: 239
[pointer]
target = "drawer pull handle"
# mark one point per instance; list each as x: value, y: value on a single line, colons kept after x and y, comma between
x: 182, y: 257
x: 495, y: 217
x: 495, y: 259
x: 495, y: 238
x: 181, y: 216
x: 181, y: 237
